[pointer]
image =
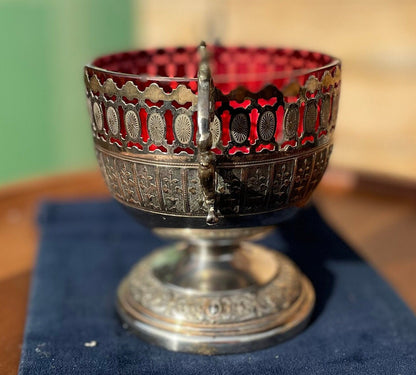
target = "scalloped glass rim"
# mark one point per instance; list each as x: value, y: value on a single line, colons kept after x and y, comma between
x: 225, y: 78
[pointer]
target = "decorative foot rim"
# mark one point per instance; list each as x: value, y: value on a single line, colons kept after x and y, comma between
x: 286, y: 304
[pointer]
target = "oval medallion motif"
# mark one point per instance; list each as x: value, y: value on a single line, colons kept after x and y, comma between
x: 156, y: 126
x: 183, y: 128
x: 132, y: 124
x: 267, y: 126
x: 291, y: 121
x: 98, y: 116
x: 325, y: 111
x: 334, y: 111
x: 112, y: 120
x: 90, y: 114
x: 309, y: 117
x: 215, y: 128
x: 240, y: 128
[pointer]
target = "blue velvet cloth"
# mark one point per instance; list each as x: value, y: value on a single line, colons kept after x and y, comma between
x: 359, y: 326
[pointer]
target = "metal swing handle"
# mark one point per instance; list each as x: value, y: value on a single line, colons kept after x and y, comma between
x: 206, y: 158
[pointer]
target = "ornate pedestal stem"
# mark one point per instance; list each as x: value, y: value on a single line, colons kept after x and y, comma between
x: 215, y: 295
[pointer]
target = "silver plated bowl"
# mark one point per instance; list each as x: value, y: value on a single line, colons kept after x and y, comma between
x: 213, y: 146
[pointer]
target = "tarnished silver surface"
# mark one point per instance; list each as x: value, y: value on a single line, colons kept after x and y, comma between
x: 168, y: 188
x: 237, y: 299
x: 202, y: 158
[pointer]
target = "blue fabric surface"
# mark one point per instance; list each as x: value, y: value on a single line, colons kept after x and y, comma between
x: 359, y: 326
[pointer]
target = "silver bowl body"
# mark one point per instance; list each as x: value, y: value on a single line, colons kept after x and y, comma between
x: 213, y: 158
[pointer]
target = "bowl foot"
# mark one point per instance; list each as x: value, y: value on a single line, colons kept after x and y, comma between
x: 240, y: 298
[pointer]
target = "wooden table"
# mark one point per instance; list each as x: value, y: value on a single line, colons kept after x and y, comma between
x: 380, y: 225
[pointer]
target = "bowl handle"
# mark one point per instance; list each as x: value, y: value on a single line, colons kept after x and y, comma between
x: 206, y: 158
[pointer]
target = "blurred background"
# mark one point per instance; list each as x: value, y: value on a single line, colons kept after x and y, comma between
x: 47, y: 150
x: 45, y: 43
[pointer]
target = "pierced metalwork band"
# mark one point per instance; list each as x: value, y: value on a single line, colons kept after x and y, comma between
x: 152, y: 121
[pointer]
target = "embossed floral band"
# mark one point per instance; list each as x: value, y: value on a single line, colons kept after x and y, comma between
x: 212, y: 145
